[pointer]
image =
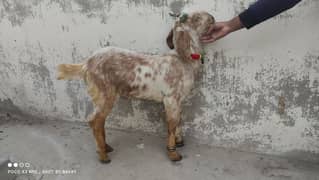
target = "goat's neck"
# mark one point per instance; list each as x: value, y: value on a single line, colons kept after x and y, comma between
x: 195, y: 47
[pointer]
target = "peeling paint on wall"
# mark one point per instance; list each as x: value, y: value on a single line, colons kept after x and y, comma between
x: 16, y: 11
x: 259, y: 89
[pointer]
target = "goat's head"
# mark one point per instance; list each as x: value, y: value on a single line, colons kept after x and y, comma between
x: 184, y: 36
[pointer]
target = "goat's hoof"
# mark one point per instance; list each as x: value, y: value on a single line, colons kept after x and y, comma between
x: 180, y: 144
x: 104, y: 158
x: 109, y: 148
x: 174, y: 156
x: 105, y: 161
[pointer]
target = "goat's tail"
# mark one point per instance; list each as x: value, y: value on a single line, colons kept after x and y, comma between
x: 70, y: 71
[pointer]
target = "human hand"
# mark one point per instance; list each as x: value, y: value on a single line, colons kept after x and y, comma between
x: 221, y: 29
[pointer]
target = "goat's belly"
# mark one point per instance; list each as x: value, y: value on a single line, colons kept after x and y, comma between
x: 150, y: 96
x: 149, y: 91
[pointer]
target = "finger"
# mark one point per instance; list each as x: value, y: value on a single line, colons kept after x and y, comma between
x: 209, y: 40
x: 217, y: 36
x: 208, y: 36
x: 205, y: 38
x: 213, y: 28
x: 214, y: 37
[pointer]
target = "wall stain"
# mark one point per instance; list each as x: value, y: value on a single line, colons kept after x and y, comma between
x: 125, y: 107
x: 7, y: 106
x: 243, y: 109
x: 154, y: 111
x: 155, y: 3
x: 177, y: 6
x: 299, y: 93
x: 193, y: 105
x: 242, y: 104
x: 312, y: 61
x: 106, y: 41
x: 281, y: 105
x: 236, y: 98
x: 239, y: 6
x: 7, y: 70
x: 41, y: 78
x: 79, y: 102
x: 2, y: 53
x: 91, y: 6
x: 88, y: 107
x: 218, y: 80
x: 17, y: 11
x: 297, y: 90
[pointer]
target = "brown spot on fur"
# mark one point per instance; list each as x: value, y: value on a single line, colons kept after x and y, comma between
x: 174, y: 75
x: 177, y: 97
x: 183, y: 47
x: 195, y: 20
x: 131, y: 77
x: 118, y: 70
x: 147, y: 75
x: 139, y: 70
x: 135, y: 87
x: 144, y: 87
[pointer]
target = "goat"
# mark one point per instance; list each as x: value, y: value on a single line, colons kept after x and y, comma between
x: 112, y: 72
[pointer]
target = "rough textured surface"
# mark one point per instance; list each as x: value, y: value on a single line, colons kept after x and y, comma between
x: 58, y: 145
x: 259, y: 90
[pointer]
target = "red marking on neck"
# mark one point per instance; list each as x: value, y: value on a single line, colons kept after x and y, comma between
x: 196, y: 56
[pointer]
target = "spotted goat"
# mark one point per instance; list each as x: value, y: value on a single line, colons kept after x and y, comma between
x: 113, y: 72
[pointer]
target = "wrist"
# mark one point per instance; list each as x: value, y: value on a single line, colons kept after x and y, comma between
x: 235, y: 24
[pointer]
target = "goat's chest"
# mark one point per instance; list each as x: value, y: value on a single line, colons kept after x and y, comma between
x: 188, y: 82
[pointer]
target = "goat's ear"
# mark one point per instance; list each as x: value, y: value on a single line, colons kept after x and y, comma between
x: 169, y: 40
x: 183, y: 44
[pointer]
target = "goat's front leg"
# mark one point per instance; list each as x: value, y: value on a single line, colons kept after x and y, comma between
x: 173, y: 111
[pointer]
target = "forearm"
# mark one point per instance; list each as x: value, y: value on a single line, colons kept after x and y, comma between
x: 263, y: 10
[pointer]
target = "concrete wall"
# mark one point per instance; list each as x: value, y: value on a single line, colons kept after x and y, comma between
x: 259, y: 90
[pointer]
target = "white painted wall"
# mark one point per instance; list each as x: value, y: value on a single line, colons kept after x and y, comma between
x: 236, y: 101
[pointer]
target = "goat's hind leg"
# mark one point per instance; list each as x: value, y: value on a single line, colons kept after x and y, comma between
x: 97, y: 122
x: 103, y: 103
